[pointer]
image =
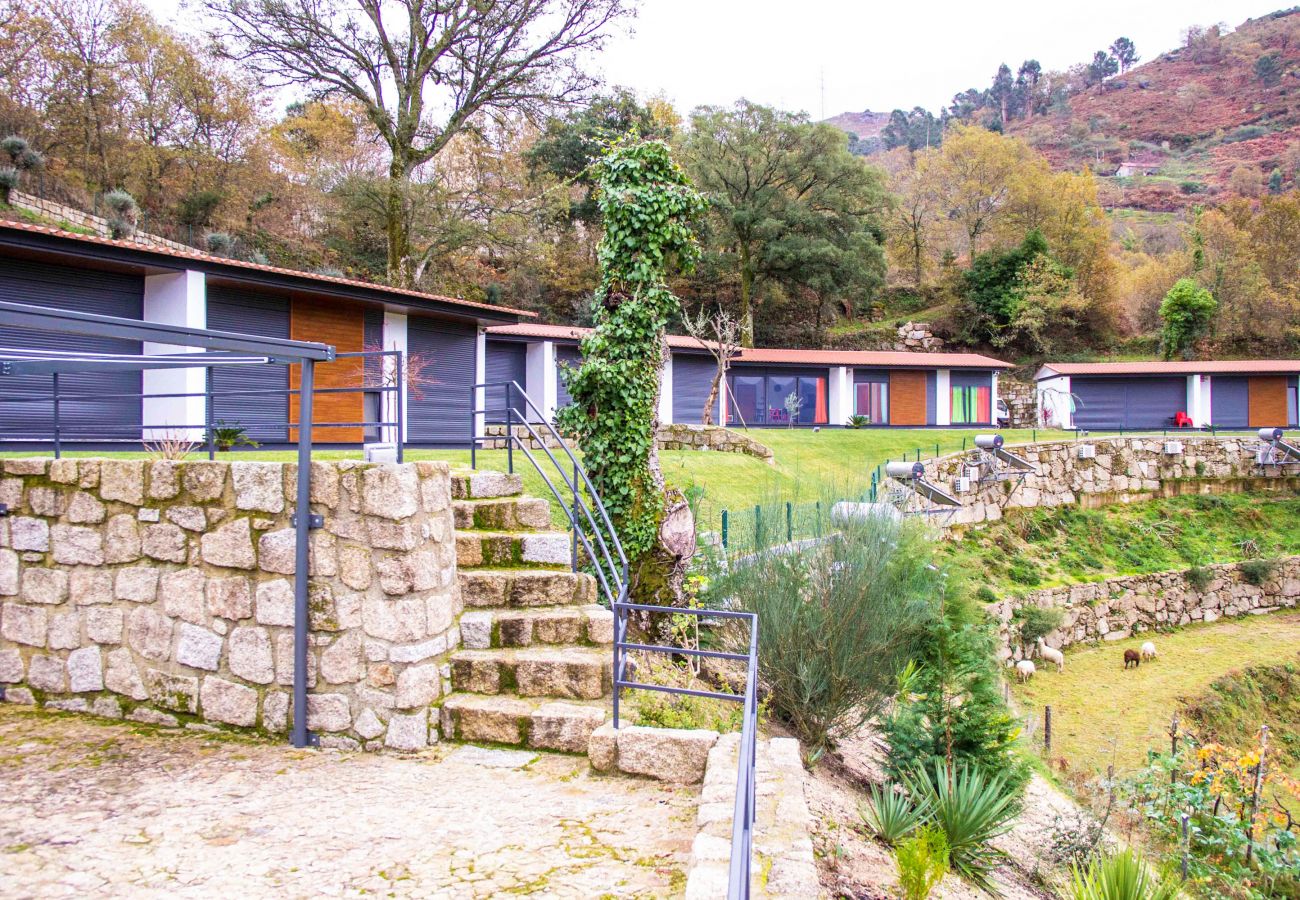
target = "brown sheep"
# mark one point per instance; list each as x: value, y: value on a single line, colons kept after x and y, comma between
x: 1132, y: 656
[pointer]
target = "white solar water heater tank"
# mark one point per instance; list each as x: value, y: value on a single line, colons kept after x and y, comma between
x: 904, y: 470
x: 989, y: 441
x: 847, y: 511
x: 1269, y: 435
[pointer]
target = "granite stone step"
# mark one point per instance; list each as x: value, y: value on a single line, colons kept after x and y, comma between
x: 485, y: 485
x: 569, y: 673
x: 543, y: 725
x: 512, y: 548
x: 504, y: 514
x: 488, y: 628
x: 523, y: 588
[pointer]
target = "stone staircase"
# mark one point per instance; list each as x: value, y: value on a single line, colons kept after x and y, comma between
x: 535, y: 663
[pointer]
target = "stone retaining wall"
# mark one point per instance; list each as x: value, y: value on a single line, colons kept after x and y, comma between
x: 711, y: 437
x: 61, y: 212
x: 163, y: 592
x: 1123, y: 469
x: 1121, y: 607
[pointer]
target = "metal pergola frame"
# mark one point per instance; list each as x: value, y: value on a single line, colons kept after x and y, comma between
x: 223, y: 348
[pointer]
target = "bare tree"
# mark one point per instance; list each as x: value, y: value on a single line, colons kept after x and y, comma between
x: 719, y: 333
x: 424, y: 71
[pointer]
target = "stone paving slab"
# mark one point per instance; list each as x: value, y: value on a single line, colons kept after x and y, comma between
x: 94, y: 808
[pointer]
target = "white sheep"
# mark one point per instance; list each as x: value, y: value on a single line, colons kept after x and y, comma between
x: 1149, y: 650
x: 1051, y: 654
x: 1024, y: 671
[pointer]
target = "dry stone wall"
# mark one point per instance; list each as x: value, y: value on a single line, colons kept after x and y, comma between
x: 163, y: 592
x: 1121, y: 607
x: 679, y: 436
x: 1119, y: 469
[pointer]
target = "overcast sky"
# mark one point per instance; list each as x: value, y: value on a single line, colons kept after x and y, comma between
x: 834, y: 56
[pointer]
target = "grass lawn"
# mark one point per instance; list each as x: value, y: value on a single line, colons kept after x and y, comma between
x: 1099, y: 707
x: 833, y: 463
x: 1037, y: 548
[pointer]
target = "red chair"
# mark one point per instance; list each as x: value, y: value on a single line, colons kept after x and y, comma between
x: 1182, y: 420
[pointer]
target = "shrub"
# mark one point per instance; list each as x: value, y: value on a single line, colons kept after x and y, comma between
x: 985, y: 594
x: 955, y: 701
x: 1026, y: 572
x: 1191, y: 187
x: 220, y: 244
x: 922, y: 862
x: 839, y: 621
x: 856, y: 421
x: 1120, y: 876
x: 123, y: 213
x: 228, y: 435
x: 972, y: 808
x: 1038, y: 622
x: 1199, y: 577
x: 891, y: 814
x: 8, y: 181
x: 1258, y: 571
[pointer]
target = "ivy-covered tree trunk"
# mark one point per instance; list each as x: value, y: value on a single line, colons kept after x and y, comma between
x: 648, y: 208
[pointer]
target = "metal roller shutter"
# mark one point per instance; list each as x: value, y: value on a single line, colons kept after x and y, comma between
x: 1113, y: 403
x: 440, y: 414
x: 572, y: 357
x: 1228, y: 402
x: 99, y: 417
x: 264, y: 417
x: 692, y: 377
x: 1099, y: 403
x: 506, y: 361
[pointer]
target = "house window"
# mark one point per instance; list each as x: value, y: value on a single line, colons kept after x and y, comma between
x: 749, y: 400
x: 760, y: 400
x: 872, y: 400
x: 972, y: 405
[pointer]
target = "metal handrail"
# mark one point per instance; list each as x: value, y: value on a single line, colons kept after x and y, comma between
x: 61, y: 431
x: 602, y: 548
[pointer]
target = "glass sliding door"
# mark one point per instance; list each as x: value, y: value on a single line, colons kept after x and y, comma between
x: 779, y: 390
x: 812, y: 406
x: 972, y: 405
x: 871, y: 399
x: 749, y: 400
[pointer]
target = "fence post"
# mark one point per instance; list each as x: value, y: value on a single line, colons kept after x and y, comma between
x: 510, y: 433
x: 1047, y: 729
x: 574, y: 517
x: 207, y: 413
x: 1187, y: 842
x: 400, y: 359
x: 473, y: 436
x: 57, y: 448
x: 725, y: 523
x: 789, y: 521
x: 1254, y: 792
x: 758, y: 526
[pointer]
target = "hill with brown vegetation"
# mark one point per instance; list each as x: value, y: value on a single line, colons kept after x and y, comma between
x: 863, y: 125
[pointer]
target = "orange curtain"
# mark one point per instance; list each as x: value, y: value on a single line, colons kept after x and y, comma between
x: 821, y: 416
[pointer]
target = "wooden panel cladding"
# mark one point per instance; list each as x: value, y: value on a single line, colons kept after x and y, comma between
x: 343, y: 325
x: 1266, y: 400
x: 907, y: 397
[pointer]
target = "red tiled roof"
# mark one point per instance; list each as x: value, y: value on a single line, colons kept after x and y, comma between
x: 1174, y: 367
x: 200, y: 256
x: 859, y: 358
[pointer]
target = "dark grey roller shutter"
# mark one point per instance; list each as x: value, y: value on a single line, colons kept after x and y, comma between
x: 372, y: 337
x: 1229, y: 402
x: 440, y: 414
x: 692, y: 378
x: 970, y: 379
x: 1099, y: 403
x: 572, y: 357
x: 95, y: 413
x: 506, y: 361
x: 1152, y: 402
x: 264, y: 417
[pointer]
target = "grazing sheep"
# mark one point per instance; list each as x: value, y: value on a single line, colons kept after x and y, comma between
x: 1051, y: 654
x: 1024, y: 671
x: 1149, y: 650
x: 1132, y: 656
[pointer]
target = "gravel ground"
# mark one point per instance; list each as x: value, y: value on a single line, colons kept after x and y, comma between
x: 97, y: 808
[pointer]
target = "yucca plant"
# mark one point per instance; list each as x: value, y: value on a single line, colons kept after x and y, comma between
x: 1120, y: 876
x: 891, y: 814
x: 922, y: 862
x: 972, y: 808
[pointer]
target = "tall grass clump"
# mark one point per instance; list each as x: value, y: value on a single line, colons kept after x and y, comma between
x: 837, y: 621
x: 1120, y: 876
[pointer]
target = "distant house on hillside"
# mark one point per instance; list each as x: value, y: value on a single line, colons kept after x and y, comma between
x: 1140, y: 164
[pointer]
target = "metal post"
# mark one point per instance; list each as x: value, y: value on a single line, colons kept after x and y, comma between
x: 510, y: 432
x: 207, y: 413
x: 725, y: 523
x: 473, y: 435
x: 401, y: 404
x: 758, y: 526
x: 573, y: 521
x: 789, y: 521
x: 1047, y: 729
x: 57, y: 448
x: 301, y: 737
x: 1187, y: 842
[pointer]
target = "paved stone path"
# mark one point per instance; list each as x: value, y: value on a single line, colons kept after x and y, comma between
x: 93, y: 808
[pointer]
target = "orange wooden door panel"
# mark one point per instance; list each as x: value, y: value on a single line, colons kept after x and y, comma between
x: 907, y: 398
x: 342, y: 325
x: 1266, y: 401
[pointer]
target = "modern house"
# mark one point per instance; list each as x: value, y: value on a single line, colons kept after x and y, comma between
x: 888, y: 387
x: 50, y: 267
x: 1255, y: 393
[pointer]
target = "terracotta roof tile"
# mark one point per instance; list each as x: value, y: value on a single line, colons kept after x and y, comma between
x: 1174, y: 367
